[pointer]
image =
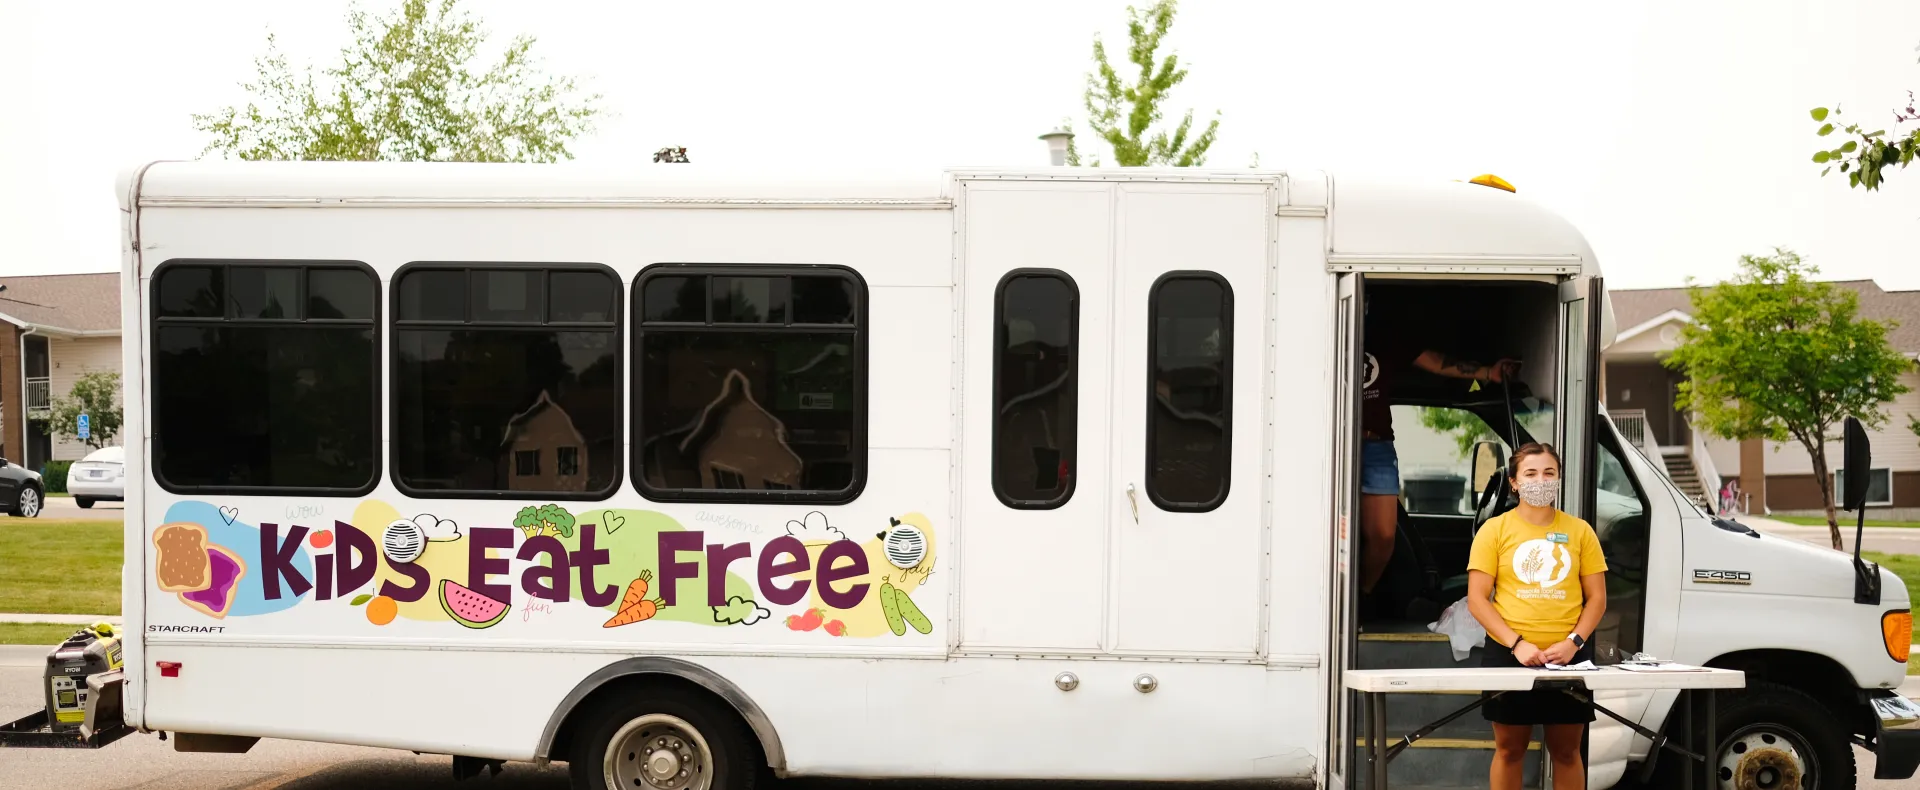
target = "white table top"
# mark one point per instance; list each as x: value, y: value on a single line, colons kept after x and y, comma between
x: 1522, y: 679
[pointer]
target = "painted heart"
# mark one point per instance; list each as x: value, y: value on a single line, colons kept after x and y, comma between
x: 613, y: 521
x: 229, y: 513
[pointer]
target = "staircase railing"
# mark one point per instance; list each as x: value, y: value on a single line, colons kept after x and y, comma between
x: 1703, y: 467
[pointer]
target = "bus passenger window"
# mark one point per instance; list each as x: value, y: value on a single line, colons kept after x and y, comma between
x: 1189, y: 429
x: 506, y: 381
x: 750, y: 384
x: 1036, y: 389
x: 258, y: 389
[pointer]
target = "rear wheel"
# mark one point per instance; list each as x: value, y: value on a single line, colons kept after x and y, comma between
x: 83, y: 502
x: 662, y: 738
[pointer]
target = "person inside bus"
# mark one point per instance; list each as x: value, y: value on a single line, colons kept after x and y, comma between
x: 1388, y: 354
x: 1536, y: 580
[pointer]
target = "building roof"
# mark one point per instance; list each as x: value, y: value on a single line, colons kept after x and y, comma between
x: 63, y: 303
x: 1632, y: 308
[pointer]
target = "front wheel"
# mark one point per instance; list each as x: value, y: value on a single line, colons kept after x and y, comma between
x: 1773, y: 737
x: 27, y: 505
x: 662, y: 739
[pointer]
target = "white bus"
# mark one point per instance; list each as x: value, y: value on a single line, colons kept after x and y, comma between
x: 686, y: 477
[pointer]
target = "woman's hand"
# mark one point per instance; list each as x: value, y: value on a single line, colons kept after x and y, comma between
x: 1560, y: 652
x: 1528, y: 654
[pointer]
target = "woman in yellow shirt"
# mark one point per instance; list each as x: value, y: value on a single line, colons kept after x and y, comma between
x: 1537, y: 582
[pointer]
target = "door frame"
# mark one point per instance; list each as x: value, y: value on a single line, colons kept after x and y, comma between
x: 1343, y: 637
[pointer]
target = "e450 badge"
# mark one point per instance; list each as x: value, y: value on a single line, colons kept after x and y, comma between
x: 1701, y: 576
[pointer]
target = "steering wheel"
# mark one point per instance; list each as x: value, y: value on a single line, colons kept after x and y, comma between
x: 1496, y: 493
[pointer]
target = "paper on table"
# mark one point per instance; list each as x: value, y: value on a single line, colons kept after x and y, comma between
x: 1584, y: 666
x: 1664, y: 666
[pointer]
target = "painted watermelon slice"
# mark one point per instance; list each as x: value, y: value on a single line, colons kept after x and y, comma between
x: 470, y: 608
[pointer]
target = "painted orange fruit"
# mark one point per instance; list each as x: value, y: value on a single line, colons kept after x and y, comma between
x: 381, y: 610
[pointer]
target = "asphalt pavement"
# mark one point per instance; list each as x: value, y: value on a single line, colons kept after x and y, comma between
x: 63, y: 507
x: 1892, y: 540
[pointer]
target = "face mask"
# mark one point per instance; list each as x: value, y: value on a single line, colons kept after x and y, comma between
x: 1540, y: 493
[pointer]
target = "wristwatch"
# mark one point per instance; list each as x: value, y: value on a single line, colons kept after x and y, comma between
x: 1576, y: 640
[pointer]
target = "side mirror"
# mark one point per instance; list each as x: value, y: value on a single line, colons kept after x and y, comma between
x: 3, y: 463
x: 1488, y: 460
x: 1857, y: 469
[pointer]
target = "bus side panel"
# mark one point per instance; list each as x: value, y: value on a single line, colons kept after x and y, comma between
x: 895, y: 718
x: 1302, y: 432
x: 133, y: 399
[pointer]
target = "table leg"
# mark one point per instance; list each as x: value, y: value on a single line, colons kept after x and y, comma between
x: 1686, y: 731
x: 1712, y: 747
x: 1377, y: 741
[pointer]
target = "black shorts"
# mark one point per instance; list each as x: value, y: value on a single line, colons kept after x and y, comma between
x: 1532, y: 707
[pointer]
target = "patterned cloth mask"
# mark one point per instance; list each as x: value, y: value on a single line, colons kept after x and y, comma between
x: 1540, y: 493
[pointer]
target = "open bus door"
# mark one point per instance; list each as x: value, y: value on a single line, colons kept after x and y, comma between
x: 1349, y: 364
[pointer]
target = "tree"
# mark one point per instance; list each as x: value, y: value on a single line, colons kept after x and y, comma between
x: 1773, y: 354
x: 1121, y: 113
x: 406, y: 89
x: 1466, y: 427
x: 1864, y: 160
x: 96, y: 395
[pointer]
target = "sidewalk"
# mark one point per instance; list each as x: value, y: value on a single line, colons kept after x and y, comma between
x: 62, y: 619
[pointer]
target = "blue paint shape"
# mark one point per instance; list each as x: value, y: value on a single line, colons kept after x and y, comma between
x: 243, y: 540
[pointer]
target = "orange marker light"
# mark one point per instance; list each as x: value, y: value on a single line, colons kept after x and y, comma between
x: 1491, y: 180
x: 1896, y: 627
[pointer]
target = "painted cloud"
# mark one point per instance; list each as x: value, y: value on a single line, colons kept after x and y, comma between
x: 437, y: 529
x: 740, y: 610
x: 815, y: 529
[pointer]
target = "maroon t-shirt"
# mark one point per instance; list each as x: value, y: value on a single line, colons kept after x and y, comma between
x: 1380, y: 367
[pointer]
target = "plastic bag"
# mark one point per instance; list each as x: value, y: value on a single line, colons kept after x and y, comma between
x: 1463, y: 632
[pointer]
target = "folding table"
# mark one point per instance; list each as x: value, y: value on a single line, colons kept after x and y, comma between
x: 1375, y: 684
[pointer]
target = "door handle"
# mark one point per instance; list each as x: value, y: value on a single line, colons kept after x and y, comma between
x: 1133, y: 501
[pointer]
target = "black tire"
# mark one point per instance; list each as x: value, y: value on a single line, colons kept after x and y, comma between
x: 83, y: 502
x: 736, y: 754
x: 1772, y: 713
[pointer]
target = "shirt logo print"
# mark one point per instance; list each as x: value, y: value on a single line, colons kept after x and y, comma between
x: 1541, y: 563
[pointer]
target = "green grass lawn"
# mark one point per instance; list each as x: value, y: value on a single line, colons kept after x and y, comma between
x: 50, y: 566
x: 48, y: 634
x: 1845, y: 521
x: 1907, y: 567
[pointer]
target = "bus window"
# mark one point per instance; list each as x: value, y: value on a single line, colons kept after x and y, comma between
x: 750, y: 384
x: 265, y: 378
x: 1190, y: 339
x: 1036, y: 389
x: 506, y: 380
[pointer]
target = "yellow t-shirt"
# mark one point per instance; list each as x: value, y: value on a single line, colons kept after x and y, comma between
x: 1535, y: 588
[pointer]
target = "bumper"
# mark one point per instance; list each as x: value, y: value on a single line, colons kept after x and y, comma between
x: 1896, y: 749
x: 104, y: 489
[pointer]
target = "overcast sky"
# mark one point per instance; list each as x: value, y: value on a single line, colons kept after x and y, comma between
x: 1674, y: 134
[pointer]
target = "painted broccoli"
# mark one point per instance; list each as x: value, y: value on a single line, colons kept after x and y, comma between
x: 546, y: 519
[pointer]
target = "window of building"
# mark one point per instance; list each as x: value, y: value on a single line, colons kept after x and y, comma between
x: 493, y: 366
x: 1189, y: 408
x: 266, y: 377
x: 566, y: 460
x: 1035, y: 389
x: 750, y: 383
x: 1879, y: 487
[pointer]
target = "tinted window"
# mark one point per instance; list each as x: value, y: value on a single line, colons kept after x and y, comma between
x: 735, y: 399
x: 489, y: 405
x: 1036, y: 395
x: 255, y: 393
x: 1620, y: 521
x: 1190, y: 347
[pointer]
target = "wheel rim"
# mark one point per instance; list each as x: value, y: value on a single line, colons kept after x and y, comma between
x: 1768, y: 757
x: 29, y: 503
x: 659, y: 752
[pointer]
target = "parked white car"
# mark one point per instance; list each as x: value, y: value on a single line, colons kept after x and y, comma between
x: 100, y: 475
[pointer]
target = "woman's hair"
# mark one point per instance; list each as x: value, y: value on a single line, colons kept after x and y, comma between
x: 1531, y: 448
